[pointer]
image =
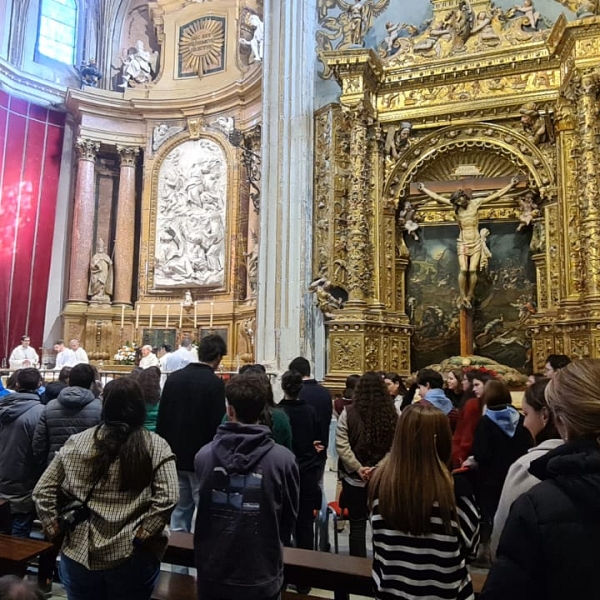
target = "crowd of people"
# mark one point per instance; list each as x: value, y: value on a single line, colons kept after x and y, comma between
x: 446, y: 470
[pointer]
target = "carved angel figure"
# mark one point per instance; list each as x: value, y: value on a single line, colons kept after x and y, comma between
x: 529, y: 11
x: 326, y: 301
x: 139, y: 66
x: 360, y: 16
x: 407, y: 218
x: 529, y: 211
x: 256, y: 43
x: 533, y: 123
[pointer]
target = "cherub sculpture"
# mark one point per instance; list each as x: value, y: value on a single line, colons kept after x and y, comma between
x: 529, y: 210
x: 326, y: 301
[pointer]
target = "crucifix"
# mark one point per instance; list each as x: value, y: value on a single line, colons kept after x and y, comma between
x: 471, y: 248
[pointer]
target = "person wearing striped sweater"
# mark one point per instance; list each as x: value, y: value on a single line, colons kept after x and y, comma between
x: 425, y: 520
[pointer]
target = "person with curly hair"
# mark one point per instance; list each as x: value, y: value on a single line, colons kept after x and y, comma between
x: 364, y: 437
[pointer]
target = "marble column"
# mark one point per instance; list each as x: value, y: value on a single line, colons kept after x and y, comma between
x: 83, y: 220
x: 124, y: 239
x: 285, y: 326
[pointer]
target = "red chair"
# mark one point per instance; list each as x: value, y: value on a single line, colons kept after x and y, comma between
x: 337, y: 514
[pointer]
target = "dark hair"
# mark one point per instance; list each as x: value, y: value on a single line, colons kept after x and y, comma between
x: 431, y: 377
x: 558, y: 361
x: 11, y: 382
x: 300, y: 365
x: 247, y: 394
x: 377, y: 414
x: 122, y: 436
x: 24, y: 337
x: 167, y: 347
x: 395, y: 378
x: 59, y: 343
x: 348, y: 394
x: 478, y: 374
x: 496, y: 394
x: 252, y: 369
x: 15, y: 588
x: 535, y: 396
x: 135, y: 373
x: 28, y: 380
x: 64, y: 374
x: 212, y: 347
x: 82, y: 375
x: 291, y: 383
x: 352, y: 381
x: 149, y: 382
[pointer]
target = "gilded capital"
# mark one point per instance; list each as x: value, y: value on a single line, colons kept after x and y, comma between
x: 128, y: 155
x: 86, y: 149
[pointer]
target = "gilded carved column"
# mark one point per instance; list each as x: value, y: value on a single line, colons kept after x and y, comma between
x: 83, y: 220
x: 124, y: 241
x: 359, y: 209
x: 590, y: 210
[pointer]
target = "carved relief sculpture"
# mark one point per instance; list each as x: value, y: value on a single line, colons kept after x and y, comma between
x: 139, y: 66
x: 326, y: 301
x: 162, y: 133
x: 529, y: 210
x: 470, y: 244
x: 191, y: 216
x: 101, y: 276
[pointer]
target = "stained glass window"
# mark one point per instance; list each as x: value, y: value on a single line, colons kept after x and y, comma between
x: 57, y: 28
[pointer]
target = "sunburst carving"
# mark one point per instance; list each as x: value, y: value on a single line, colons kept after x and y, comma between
x: 489, y: 164
x: 202, y: 47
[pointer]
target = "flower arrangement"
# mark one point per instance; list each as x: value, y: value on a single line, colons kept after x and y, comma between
x: 126, y: 354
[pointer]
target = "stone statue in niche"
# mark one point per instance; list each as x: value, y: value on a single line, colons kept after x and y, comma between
x: 100, y: 287
x: 139, y: 66
x: 162, y: 133
x: 470, y: 245
x: 397, y: 139
x: 89, y: 74
x: 258, y: 36
x: 191, y: 216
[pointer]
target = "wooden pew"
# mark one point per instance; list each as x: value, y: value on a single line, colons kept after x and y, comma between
x: 16, y: 552
x: 342, y: 574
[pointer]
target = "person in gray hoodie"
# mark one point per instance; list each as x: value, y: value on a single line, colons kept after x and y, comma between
x: 19, y: 414
x: 75, y: 410
x: 248, y: 501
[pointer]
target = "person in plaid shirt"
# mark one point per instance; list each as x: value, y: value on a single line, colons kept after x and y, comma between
x: 131, y: 473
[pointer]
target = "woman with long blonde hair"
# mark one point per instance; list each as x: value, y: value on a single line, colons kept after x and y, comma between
x: 425, y: 520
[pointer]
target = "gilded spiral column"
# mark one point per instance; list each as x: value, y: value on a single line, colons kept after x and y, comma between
x: 124, y: 242
x: 83, y: 220
x: 590, y: 209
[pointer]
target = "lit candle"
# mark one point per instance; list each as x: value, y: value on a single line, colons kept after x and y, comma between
x: 137, y: 316
x: 151, y: 311
x: 212, y: 306
x: 167, y: 320
x: 195, y: 314
x: 180, y: 315
x: 122, y: 315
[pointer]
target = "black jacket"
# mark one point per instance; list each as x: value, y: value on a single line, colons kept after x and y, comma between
x: 549, y: 547
x: 305, y: 431
x: 319, y: 398
x: 75, y: 410
x: 191, y: 408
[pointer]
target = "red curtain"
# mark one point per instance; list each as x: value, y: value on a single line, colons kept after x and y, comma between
x: 31, y: 141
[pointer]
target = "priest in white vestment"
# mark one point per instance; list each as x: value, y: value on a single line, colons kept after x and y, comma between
x: 24, y: 356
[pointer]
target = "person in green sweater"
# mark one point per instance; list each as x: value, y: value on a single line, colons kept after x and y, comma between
x: 149, y: 380
x: 274, y: 418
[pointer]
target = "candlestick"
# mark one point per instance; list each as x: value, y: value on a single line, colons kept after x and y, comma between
x: 180, y: 315
x: 195, y: 314
x: 122, y: 315
x: 212, y: 306
x: 167, y: 319
x: 137, y: 316
x: 151, y: 311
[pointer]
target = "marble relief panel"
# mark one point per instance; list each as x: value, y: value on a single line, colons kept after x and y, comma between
x: 191, y: 216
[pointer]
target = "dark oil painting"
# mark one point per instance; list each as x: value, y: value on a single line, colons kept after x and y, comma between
x: 505, y: 296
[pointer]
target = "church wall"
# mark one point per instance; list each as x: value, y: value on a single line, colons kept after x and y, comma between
x: 31, y: 142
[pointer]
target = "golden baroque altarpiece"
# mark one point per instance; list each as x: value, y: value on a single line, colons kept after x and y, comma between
x: 503, y: 96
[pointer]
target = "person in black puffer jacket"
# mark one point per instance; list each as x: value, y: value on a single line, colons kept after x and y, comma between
x: 549, y: 547
x: 75, y: 410
x: 54, y: 388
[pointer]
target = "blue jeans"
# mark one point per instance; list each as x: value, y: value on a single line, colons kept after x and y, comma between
x: 133, y: 580
x: 181, y: 519
x: 22, y: 524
